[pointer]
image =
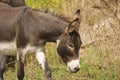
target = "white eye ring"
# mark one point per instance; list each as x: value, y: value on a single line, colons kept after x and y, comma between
x: 71, y: 46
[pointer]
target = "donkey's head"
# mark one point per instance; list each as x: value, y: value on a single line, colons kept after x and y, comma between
x: 69, y: 43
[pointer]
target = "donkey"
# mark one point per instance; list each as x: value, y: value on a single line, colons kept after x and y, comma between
x: 14, y: 3
x: 27, y: 30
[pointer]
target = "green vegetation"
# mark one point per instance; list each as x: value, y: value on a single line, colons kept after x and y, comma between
x: 100, y: 33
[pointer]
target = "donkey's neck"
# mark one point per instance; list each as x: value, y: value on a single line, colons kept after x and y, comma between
x: 50, y: 27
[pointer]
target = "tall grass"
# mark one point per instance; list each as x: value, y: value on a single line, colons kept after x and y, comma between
x: 56, y: 6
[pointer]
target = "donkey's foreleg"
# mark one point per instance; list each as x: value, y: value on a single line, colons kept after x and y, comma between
x: 3, y: 60
x: 20, y: 67
x: 42, y: 61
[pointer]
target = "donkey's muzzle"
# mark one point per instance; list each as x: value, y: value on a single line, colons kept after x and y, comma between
x: 73, y: 66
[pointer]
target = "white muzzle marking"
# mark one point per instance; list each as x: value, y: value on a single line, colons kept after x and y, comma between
x: 73, y: 65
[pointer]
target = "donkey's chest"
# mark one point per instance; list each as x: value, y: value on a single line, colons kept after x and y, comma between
x: 9, y: 48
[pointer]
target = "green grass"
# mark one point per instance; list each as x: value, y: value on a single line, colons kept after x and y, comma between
x: 92, y: 67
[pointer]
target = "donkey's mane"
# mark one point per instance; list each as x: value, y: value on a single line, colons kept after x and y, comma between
x: 63, y: 17
x: 60, y: 16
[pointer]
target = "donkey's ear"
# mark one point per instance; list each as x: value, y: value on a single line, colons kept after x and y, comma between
x: 77, y: 14
x: 74, y: 25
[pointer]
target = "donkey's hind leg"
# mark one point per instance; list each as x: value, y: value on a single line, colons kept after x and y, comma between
x: 3, y: 60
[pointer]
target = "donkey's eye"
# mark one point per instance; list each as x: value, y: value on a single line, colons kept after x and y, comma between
x: 71, y: 45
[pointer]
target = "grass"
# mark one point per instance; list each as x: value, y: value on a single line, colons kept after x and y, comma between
x: 94, y: 66
x: 99, y: 61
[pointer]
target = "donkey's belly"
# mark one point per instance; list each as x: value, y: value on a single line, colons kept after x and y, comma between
x: 8, y: 48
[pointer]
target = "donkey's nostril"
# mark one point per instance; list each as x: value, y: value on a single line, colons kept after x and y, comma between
x: 76, y: 69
